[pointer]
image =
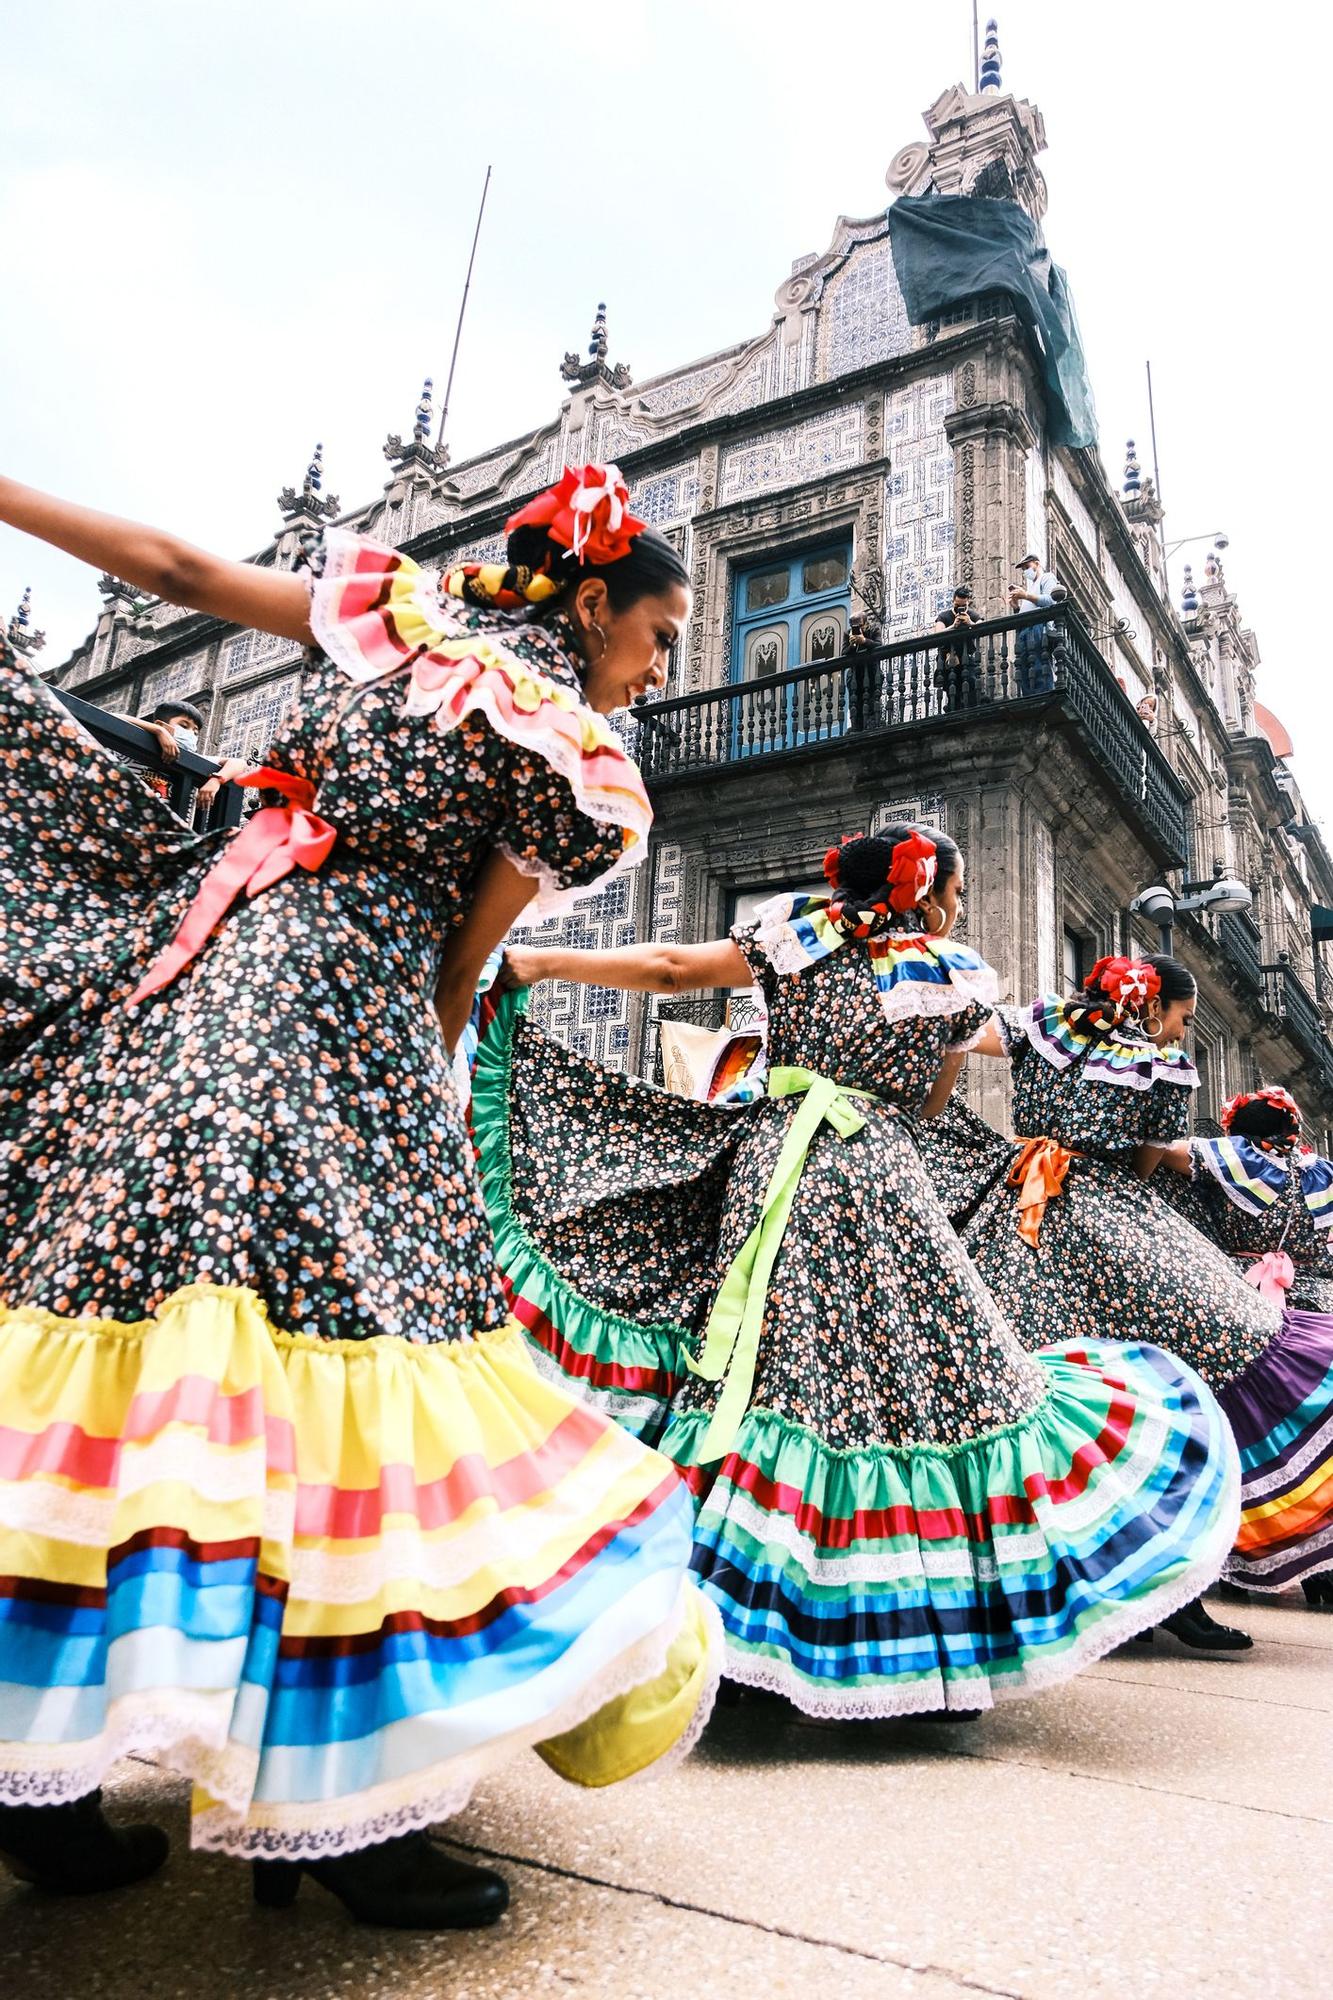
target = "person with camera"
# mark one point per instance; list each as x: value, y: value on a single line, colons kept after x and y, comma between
x: 1035, y: 590
x: 958, y: 672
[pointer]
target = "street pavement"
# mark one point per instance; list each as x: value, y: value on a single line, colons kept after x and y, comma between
x: 1160, y: 1825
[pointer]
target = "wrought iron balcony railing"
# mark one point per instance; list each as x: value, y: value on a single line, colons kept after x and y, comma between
x: 132, y: 744
x: 940, y: 677
x: 1242, y: 941
x: 1286, y: 996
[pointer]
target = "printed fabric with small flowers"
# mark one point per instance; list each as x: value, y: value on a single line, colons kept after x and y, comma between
x: 1286, y: 1225
x: 876, y: 1327
x: 1115, y: 1260
x: 282, y: 1116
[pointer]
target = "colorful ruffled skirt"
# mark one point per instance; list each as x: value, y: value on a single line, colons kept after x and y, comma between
x: 1281, y: 1410
x: 333, y: 1582
x: 869, y: 1575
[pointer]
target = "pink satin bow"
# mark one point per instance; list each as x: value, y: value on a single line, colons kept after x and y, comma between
x: 272, y: 843
x: 1271, y: 1275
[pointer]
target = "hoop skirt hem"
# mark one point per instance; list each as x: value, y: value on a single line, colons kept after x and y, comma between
x: 332, y: 1582
x: 1281, y: 1410
x: 897, y: 1577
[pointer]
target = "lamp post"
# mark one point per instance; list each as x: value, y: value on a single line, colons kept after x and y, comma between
x: 1221, y: 897
x: 1215, y: 536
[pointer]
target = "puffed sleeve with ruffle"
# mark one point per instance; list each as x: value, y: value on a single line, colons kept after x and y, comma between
x: 577, y: 810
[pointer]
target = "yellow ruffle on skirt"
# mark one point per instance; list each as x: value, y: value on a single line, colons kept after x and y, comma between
x: 332, y: 1581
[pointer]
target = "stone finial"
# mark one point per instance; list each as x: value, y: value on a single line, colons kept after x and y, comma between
x: 1133, y: 486
x: 420, y: 451
x: 20, y: 637
x: 990, y: 58
x: 1189, y: 596
x: 1213, y: 575
x: 596, y: 369
x: 310, y: 503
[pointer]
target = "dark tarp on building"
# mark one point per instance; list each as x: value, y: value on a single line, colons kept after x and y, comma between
x: 951, y: 247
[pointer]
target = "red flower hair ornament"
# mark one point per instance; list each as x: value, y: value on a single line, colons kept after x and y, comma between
x: 1127, y: 982
x: 1281, y: 1100
x: 912, y: 873
x: 587, y: 514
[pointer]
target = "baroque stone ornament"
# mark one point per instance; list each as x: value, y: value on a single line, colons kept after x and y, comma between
x: 20, y: 634
x: 419, y: 451
x: 582, y: 374
x: 311, y: 503
x: 907, y: 167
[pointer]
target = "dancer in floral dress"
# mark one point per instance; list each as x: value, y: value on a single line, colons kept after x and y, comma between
x: 1073, y: 1237
x: 898, y: 1510
x: 282, y: 1499
x: 1267, y: 1199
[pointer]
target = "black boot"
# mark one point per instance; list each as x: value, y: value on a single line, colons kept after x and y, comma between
x: 1318, y: 1590
x: 1234, y: 1593
x: 73, y: 1850
x: 405, y: 1885
x: 1202, y: 1634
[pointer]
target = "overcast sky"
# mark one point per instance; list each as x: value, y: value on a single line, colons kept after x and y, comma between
x: 229, y: 228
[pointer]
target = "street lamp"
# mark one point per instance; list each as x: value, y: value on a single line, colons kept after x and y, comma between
x: 1218, y: 540
x: 1220, y: 898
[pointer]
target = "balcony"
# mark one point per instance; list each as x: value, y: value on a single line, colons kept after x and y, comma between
x: 1285, y: 996
x: 918, y: 683
x: 131, y: 744
x: 1242, y: 942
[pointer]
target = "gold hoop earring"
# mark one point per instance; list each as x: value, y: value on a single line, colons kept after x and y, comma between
x: 934, y: 910
x: 593, y: 626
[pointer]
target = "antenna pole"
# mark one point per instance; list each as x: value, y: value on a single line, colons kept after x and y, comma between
x: 458, y: 331
x: 976, y: 53
x: 1156, y: 476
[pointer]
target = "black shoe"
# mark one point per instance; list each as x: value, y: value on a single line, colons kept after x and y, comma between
x: 1318, y: 1590
x: 404, y: 1885
x: 1234, y: 1593
x: 73, y: 1850
x: 1202, y: 1634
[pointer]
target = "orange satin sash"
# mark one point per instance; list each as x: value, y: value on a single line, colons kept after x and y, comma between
x: 1039, y: 1175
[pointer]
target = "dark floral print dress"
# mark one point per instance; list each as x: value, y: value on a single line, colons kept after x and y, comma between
x: 1117, y: 1259
x: 887, y: 1485
x: 257, y: 1379
x: 1252, y: 1202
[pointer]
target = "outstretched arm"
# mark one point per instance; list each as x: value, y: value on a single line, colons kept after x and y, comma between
x: 503, y: 893
x: 634, y: 968
x: 989, y: 1043
x: 267, y: 600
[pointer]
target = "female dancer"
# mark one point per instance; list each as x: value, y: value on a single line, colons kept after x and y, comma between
x: 1071, y: 1235
x: 1268, y: 1201
x: 898, y: 1510
x: 282, y: 1499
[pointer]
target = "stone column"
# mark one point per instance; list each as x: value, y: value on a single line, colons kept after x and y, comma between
x: 991, y: 435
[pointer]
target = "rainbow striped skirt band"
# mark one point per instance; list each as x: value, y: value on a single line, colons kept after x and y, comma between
x: 1281, y: 1410
x: 332, y: 1582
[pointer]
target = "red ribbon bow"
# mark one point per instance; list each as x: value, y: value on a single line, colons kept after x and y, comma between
x: 269, y: 845
x: 587, y: 513
x: 911, y: 872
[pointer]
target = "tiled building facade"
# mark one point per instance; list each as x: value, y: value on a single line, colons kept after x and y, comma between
x: 845, y: 461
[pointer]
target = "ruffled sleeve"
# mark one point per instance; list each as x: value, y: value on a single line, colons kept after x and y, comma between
x: 748, y: 943
x: 579, y: 810
x: 967, y: 1028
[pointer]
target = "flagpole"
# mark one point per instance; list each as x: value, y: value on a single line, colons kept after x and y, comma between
x: 458, y: 331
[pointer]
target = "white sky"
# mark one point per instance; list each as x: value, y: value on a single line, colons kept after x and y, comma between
x: 231, y: 227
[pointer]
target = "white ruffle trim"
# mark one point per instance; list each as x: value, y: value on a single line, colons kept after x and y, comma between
x: 552, y: 899
x: 909, y: 999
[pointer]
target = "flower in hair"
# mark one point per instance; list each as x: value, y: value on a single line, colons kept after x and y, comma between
x: 586, y: 514
x: 912, y: 872
x: 1127, y: 982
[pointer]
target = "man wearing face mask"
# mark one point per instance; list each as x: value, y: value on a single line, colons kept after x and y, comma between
x: 1034, y: 591
x: 177, y: 725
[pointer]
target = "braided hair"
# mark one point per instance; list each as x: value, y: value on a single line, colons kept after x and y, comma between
x: 879, y: 882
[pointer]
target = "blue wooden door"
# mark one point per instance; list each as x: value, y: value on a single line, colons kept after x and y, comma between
x: 789, y: 611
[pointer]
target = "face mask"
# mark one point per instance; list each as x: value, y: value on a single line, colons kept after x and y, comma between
x: 187, y: 738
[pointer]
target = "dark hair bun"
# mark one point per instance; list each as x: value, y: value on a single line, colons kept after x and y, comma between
x: 1261, y: 1119
x: 651, y: 567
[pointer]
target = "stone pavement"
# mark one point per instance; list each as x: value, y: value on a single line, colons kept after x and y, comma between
x: 1161, y: 1825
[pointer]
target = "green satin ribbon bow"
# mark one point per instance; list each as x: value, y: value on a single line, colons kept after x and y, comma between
x: 731, y: 1338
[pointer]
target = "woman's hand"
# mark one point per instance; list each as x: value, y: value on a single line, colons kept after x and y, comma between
x: 522, y: 965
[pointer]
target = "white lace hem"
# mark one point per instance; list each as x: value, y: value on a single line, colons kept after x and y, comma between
x: 863, y: 1704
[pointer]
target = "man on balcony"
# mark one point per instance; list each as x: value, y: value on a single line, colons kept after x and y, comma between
x: 959, y: 669
x: 1035, y: 591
